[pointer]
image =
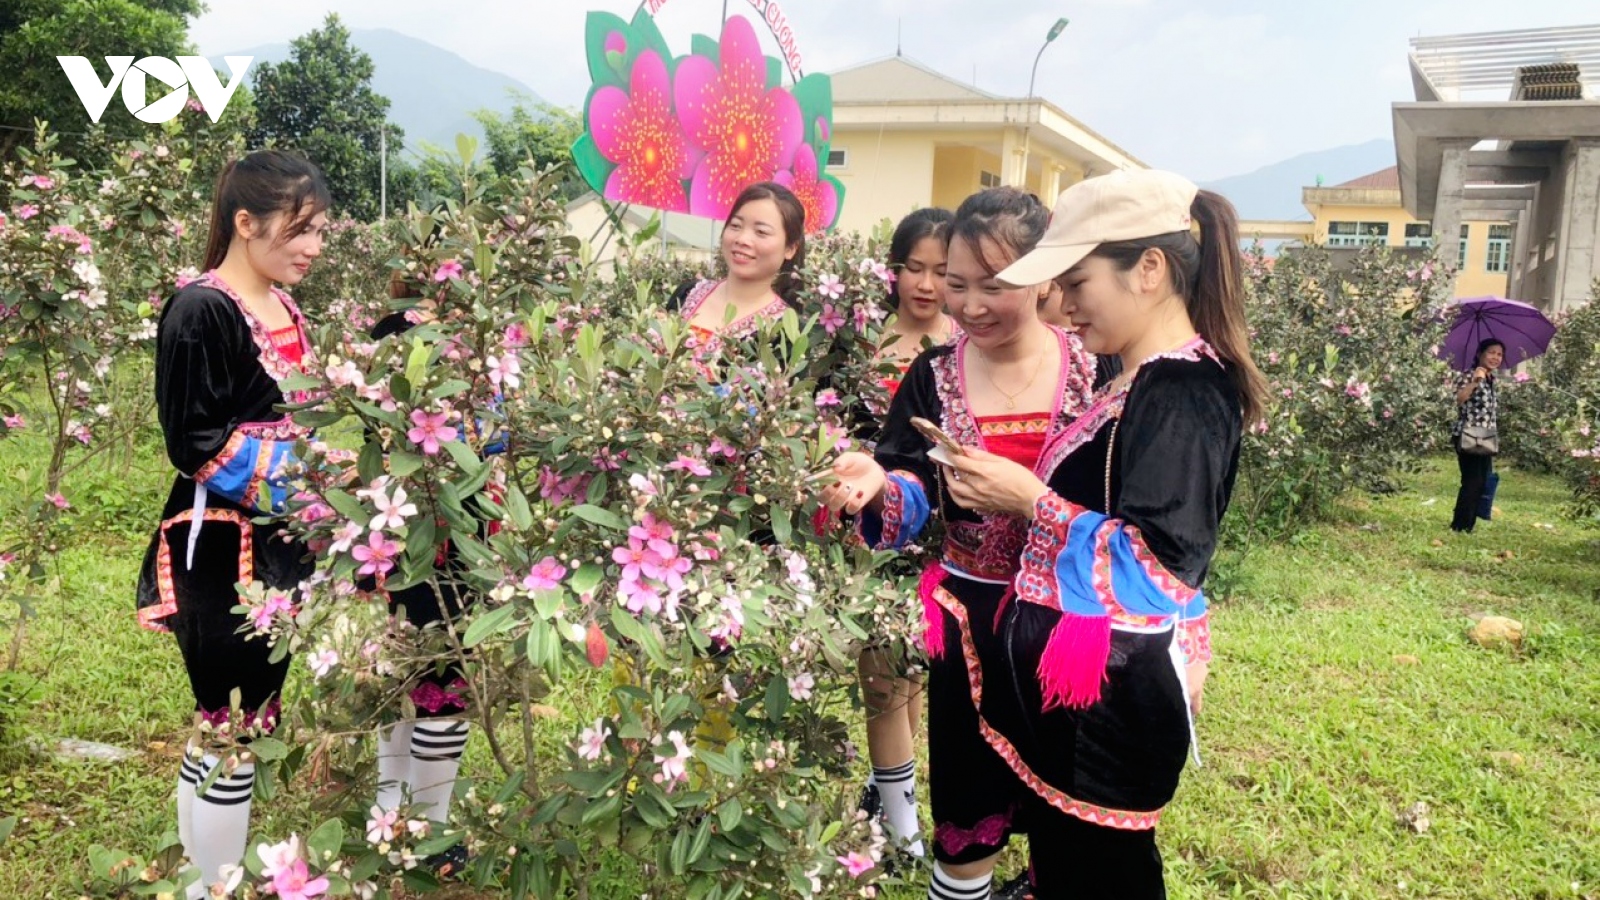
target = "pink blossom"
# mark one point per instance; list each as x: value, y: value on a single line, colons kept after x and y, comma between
x: 592, y: 742
x: 633, y: 559
x: 832, y: 319
x: 277, y: 857
x: 1521, y: 377
x: 381, y: 824
x: 856, y: 863
x: 693, y: 466
x: 15, y: 421
x: 323, y: 662
x: 447, y: 270
x: 344, y: 374
x: 516, y: 335
x: 719, y: 448
x: 347, y: 534
x: 546, y: 574
x: 827, y: 397
x: 606, y: 461
x: 800, y: 686
x: 296, y: 883
x: 652, y: 529
x: 430, y: 430
x: 27, y: 211
x: 830, y: 286
x: 392, y: 512
x: 58, y: 501
x: 275, y: 602
x: 1272, y: 357
x: 377, y: 555
x: 42, y: 182
x: 643, y: 485
x: 639, y: 596
x: 674, y: 768
x: 506, y: 370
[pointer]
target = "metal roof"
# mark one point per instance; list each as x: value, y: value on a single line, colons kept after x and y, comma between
x: 1487, y: 62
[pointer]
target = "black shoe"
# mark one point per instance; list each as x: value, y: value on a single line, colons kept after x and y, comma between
x: 871, y: 803
x: 1017, y: 888
x: 448, y: 864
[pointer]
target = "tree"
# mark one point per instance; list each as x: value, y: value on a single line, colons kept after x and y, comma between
x: 320, y: 101
x: 534, y: 131
x: 34, y: 32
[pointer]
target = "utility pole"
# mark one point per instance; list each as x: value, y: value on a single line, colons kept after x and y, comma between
x: 383, y: 173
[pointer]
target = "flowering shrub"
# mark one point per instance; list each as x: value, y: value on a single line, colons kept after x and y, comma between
x: 1356, y: 393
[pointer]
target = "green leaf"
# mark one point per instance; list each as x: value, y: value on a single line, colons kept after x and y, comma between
x: 7, y: 825
x: 730, y: 815
x: 605, y: 518
x: 596, y: 28
x: 592, y: 165
x: 417, y: 361
x: 450, y: 388
x: 269, y: 749
x: 777, y: 698
x: 491, y: 623
x: 403, y: 463
x: 325, y: 842
x: 516, y: 504
x: 370, y: 463
x: 466, y: 146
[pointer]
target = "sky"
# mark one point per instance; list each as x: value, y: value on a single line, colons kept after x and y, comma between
x: 1208, y: 89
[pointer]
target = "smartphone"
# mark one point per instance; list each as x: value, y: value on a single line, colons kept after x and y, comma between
x: 944, y: 445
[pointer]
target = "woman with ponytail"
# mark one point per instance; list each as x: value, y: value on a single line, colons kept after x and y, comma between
x: 224, y: 343
x: 1084, y: 670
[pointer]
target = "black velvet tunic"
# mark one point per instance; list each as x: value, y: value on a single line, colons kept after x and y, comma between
x: 218, y: 399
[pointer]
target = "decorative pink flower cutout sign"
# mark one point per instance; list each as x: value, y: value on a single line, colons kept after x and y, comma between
x: 687, y: 134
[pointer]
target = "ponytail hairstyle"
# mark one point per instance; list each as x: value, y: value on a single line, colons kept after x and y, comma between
x: 1011, y: 219
x: 793, y: 216
x: 929, y: 222
x: 1209, y: 274
x: 263, y: 184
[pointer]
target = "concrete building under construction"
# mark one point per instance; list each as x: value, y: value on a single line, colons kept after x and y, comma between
x: 1506, y: 126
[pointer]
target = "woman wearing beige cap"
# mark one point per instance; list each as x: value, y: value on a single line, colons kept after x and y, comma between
x: 1083, y: 678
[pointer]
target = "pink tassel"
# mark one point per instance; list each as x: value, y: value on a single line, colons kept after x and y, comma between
x: 932, y: 612
x: 1074, y: 661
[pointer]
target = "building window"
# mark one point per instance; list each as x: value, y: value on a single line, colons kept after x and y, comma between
x: 838, y: 159
x: 1358, y: 234
x: 1466, y: 231
x: 988, y: 179
x: 1419, y: 234
x: 1499, y: 257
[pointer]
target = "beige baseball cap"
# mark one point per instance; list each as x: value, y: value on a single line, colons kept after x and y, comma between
x: 1120, y: 206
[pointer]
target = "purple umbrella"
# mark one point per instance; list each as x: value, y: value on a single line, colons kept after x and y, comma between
x: 1523, y: 330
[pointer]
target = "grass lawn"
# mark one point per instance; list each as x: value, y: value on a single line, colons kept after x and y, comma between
x: 1344, y: 692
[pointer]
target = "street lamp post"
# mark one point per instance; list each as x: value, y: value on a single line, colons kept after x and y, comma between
x: 1027, y: 129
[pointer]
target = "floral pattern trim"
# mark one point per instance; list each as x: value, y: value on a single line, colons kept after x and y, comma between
x: 272, y: 359
x: 990, y: 831
x: 153, y: 617
x: 433, y: 699
x: 742, y: 327
x: 263, y: 720
x: 1106, y: 817
x: 1194, y: 639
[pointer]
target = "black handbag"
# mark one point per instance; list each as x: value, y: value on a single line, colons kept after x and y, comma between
x: 1480, y: 440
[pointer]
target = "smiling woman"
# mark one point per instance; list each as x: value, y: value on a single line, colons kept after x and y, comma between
x: 225, y: 342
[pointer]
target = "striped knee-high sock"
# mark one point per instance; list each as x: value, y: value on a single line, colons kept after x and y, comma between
x: 394, y: 764
x: 220, y: 819
x: 897, y: 788
x: 436, y: 747
x: 947, y: 887
x: 188, y: 780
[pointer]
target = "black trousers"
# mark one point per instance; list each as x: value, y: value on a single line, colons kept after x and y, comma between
x: 1474, y: 477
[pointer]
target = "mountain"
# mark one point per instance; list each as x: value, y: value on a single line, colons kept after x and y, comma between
x: 1273, y: 192
x: 431, y: 91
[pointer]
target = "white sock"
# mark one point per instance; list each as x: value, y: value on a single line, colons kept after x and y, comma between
x: 394, y: 764
x: 220, y: 820
x: 188, y: 780
x: 897, y: 788
x: 436, y: 747
x: 948, y: 887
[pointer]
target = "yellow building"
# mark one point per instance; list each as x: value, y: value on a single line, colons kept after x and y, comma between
x: 906, y: 136
x: 1367, y: 211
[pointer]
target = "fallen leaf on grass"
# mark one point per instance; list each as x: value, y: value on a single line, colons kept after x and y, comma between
x: 1509, y: 758
x: 541, y: 711
x: 1406, y: 659
x: 1416, y: 818
x: 1437, y: 542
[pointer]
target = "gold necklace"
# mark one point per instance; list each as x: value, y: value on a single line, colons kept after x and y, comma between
x: 1011, y: 399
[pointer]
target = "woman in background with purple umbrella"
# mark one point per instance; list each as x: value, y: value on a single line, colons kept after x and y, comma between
x: 1477, y: 412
